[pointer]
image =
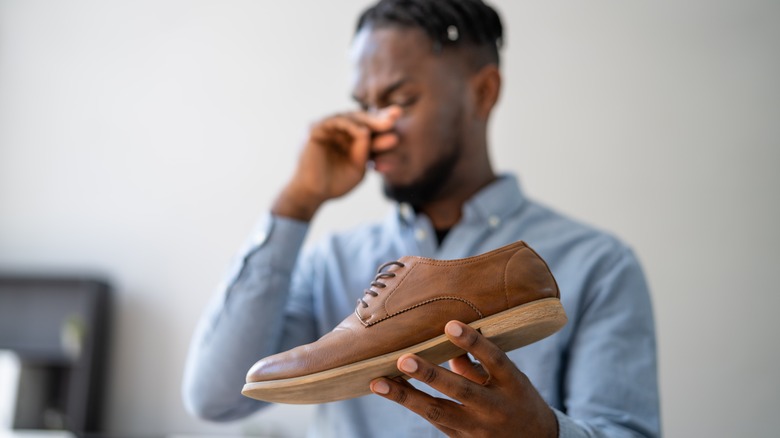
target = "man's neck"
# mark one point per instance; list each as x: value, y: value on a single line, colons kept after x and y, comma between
x: 446, y: 212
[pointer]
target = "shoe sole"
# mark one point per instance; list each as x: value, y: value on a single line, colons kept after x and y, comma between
x: 509, y: 330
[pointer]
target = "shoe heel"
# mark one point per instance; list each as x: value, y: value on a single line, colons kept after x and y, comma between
x: 509, y: 330
x: 523, y: 325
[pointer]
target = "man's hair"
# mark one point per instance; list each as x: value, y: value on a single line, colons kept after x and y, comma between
x: 448, y: 23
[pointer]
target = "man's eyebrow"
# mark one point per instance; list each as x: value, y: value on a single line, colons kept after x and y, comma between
x: 387, y: 91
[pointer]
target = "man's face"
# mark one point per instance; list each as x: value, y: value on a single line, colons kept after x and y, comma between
x: 397, y: 66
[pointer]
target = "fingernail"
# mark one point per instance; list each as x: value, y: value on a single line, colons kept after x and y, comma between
x: 408, y: 365
x: 380, y: 387
x: 454, y: 330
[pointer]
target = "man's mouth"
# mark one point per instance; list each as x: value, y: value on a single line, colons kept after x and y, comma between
x: 383, y: 162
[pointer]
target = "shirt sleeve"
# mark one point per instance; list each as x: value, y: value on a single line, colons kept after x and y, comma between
x: 610, y: 385
x: 243, y: 322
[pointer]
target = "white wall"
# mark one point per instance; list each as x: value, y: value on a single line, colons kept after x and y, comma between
x: 139, y: 140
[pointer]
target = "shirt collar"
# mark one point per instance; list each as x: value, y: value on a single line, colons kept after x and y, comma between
x: 492, y: 204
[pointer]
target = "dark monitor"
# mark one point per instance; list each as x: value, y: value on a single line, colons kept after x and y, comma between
x: 58, y: 327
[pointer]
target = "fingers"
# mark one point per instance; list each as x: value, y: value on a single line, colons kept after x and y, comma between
x: 381, y: 126
x: 364, y: 131
x: 495, y: 366
x: 494, y: 361
x: 384, y: 141
x: 376, y: 123
x: 349, y: 137
x: 446, y: 415
x: 379, y: 121
x: 491, y: 399
x: 335, y: 158
x: 445, y: 381
x: 465, y: 367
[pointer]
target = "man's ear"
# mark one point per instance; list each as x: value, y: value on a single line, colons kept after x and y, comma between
x: 486, y: 84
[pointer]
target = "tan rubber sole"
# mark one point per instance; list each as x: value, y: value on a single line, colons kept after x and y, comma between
x: 510, y: 329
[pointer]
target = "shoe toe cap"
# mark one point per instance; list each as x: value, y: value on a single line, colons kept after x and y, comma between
x: 292, y: 363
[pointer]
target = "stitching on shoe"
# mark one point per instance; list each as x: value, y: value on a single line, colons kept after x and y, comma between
x: 518, y: 246
x: 506, y: 272
x: 506, y: 282
x: 456, y: 262
x: 467, y: 302
x: 391, y: 293
x: 506, y: 275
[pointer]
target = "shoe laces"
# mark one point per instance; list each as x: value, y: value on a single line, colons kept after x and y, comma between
x: 377, y: 283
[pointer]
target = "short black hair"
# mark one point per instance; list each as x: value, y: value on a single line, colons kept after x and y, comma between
x: 448, y: 23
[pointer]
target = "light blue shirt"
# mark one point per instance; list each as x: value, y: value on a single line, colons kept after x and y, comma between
x: 598, y: 373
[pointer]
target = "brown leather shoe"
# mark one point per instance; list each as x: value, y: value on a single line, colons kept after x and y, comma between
x: 509, y: 294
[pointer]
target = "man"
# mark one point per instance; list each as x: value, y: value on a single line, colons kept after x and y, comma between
x: 427, y: 78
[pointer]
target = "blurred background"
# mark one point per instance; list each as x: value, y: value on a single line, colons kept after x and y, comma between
x: 139, y: 142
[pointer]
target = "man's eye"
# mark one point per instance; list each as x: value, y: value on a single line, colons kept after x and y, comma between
x: 405, y: 102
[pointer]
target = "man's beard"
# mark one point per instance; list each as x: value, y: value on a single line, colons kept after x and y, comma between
x: 428, y: 187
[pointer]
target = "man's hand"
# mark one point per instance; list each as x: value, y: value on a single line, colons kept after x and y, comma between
x: 333, y: 160
x: 496, y: 399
